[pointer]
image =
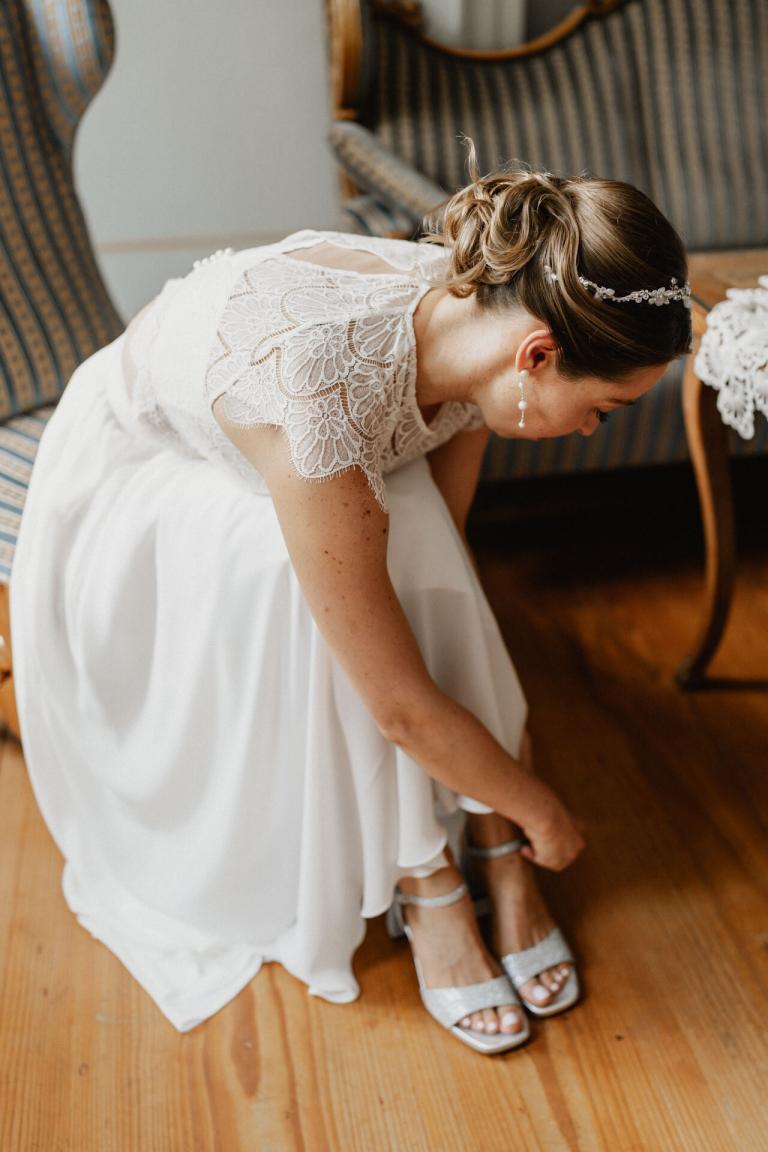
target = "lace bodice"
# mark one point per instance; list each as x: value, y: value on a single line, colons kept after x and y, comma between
x: 327, y: 354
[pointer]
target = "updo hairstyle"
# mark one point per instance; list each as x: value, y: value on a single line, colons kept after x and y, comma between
x: 503, y: 229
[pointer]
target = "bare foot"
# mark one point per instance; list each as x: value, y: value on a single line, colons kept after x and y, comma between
x: 451, y: 950
x: 519, y: 917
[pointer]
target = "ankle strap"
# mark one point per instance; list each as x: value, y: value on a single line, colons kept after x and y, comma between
x: 432, y: 901
x: 497, y: 849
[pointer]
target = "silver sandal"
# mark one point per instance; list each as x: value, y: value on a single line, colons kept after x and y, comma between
x: 523, y: 965
x: 452, y: 1003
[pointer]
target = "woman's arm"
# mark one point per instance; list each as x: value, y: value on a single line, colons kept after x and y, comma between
x: 455, y: 468
x: 336, y: 535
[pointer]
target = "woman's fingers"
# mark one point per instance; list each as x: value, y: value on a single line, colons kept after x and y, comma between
x: 550, y: 857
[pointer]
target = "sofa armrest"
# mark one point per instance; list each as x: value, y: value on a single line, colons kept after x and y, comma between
x: 375, y: 169
x: 369, y: 217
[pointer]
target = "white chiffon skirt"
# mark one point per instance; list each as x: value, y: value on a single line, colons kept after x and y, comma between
x: 219, y: 792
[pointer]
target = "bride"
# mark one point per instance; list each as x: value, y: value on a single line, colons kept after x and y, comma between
x: 255, y: 667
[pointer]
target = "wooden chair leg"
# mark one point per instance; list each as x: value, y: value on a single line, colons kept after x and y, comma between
x: 708, y: 446
x: 8, y: 713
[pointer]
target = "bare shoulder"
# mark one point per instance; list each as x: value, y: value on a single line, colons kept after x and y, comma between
x: 329, y: 255
x: 342, y: 504
x: 337, y: 534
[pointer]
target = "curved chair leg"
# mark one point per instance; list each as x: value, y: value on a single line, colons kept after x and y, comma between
x: 8, y: 713
x: 708, y: 446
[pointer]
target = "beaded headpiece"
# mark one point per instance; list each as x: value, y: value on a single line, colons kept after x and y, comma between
x: 640, y: 295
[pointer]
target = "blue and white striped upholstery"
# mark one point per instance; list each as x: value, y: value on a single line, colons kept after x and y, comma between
x: 377, y: 170
x: 19, y: 440
x: 367, y: 216
x: 669, y: 95
x: 55, y: 310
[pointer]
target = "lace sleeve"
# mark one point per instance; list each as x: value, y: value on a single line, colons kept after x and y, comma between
x: 322, y: 382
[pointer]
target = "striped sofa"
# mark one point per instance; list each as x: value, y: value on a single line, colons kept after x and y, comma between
x: 55, y: 310
x: 669, y: 95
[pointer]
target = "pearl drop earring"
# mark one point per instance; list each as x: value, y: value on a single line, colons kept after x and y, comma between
x: 522, y: 402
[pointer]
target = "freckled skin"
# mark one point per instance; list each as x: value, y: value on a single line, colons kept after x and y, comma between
x: 371, y: 636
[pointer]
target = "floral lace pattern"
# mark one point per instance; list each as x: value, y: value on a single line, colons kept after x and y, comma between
x: 733, y: 356
x: 329, y: 355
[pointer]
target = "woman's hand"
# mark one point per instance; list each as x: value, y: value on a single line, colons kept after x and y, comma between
x: 555, y: 834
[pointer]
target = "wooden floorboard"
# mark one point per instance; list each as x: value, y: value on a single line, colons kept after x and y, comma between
x: 667, y: 908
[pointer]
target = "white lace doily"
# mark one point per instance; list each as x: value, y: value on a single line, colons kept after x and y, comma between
x: 733, y: 356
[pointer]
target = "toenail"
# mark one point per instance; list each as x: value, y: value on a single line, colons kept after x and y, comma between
x: 509, y: 1019
x: 466, y: 1022
x: 480, y: 1026
x: 492, y: 1026
x: 539, y: 992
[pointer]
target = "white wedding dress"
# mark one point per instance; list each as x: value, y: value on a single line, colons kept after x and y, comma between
x: 220, y: 793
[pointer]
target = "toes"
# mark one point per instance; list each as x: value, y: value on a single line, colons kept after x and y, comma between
x: 546, y: 985
x: 555, y: 978
x: 550, y: 981
x: 512, y: 1019
x: 536, y: 992
x: 491, y: 1020
x: 507, y: 1018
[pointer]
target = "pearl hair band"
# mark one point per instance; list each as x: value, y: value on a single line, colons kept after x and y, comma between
x: 640, y: 295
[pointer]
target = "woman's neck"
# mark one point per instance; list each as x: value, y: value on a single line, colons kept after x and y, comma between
x: 438, y: 375
x: 458, y: 347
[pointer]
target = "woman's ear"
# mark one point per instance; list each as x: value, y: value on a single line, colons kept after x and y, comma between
x: 543, y: 346
x: 535, y: 347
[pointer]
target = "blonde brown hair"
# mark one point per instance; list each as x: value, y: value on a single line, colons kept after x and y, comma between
x: 503, y: 230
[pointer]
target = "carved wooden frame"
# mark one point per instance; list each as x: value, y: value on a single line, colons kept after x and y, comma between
x: 345, y: 29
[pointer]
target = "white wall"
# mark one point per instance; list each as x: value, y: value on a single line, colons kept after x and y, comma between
x: 476, y: 23
x: 492, y: 23
x: 209, y: 131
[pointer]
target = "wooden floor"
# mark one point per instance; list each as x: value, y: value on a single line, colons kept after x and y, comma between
x: 596, y: 588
